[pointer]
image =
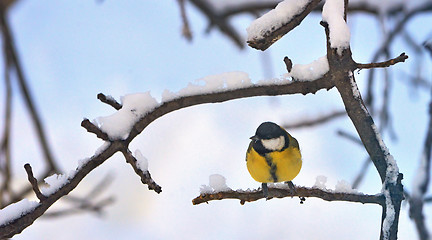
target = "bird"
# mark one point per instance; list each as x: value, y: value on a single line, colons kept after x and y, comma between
x: 273, y: 156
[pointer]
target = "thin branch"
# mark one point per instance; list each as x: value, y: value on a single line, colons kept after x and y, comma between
x: 421, y: 182
x: 87, y: 206
x: 317, y: 121
x: 186, y: 32
x: 22, y: 82
x: 218, y: 20
x: 349, y: 136
x: 109, y: 100
x: 388, y: 63
x: 362, y: 173
x: 91, y: 128
x: 254, y: 195
x: 19, y: 224
x: 145, y: 175
x: 34, y: 183
x: 272, y: 35
x: 5, y: 150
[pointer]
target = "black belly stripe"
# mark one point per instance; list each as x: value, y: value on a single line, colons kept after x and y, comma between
x: 273, y: 168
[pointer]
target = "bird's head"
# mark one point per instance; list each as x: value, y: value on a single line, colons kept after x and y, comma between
x: 269, y: 137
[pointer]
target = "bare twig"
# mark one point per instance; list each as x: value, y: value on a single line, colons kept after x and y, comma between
x: 145, y: 175
x: 22, y: 82
x: 388, y: 63
x: 91, y: 128
x: 5, y: 151
x: 87, y: 206
x: 109, y: 100
x: 349, y: 136
x: 362, y: 173
x: 313, y: 122
x: 186, y: 32
x: 220, y: 21
x: 288, y: 63
x: 34, y: 182
x: 421, y: 182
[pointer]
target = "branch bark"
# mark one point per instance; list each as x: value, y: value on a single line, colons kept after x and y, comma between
x: 254, y: 195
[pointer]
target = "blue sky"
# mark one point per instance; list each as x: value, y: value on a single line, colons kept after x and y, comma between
x: 72, y: 50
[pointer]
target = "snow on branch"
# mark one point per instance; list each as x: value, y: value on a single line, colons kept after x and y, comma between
x: 282, y: 192
x: 270, y: 27
x: 333, y: 14
x: 138, y: 110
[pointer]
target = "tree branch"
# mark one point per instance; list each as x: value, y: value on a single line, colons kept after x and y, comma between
x: 28, y: 100
x: 91, y: 128
x: 109, y: 100
x: 272, y: 35
x: 34, y: 183
x: 26, y: 220
x: 313, y: 122
x: 254, y: 195
x: 145, y: 175
x: 388, y: 63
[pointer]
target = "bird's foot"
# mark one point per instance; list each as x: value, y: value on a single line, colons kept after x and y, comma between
x: 294, y: 191
x: 265, y: 190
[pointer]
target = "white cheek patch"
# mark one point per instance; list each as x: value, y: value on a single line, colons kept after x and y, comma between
x: 274, y: 144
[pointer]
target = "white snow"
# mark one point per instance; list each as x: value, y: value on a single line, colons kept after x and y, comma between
x: 55, y: 182
x: 217, y: 183
x: 119, y: 124
x: 392, y: 170
x: 311, y: 71
x: 320, y: 182
x: 275, y: 18
x: 354, y: 87
x: 333, y: 14
x: 211, y: 84
x: 142, y: 162
x: 343, y: 186
x: 16, y: 210
x: 390, y: 215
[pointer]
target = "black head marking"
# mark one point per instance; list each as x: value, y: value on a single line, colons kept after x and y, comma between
x: 268, y: 130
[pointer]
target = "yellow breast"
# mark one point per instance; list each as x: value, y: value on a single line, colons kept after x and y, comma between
x: 274, y: 166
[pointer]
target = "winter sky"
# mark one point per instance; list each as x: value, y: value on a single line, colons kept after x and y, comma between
x: 72, y: 50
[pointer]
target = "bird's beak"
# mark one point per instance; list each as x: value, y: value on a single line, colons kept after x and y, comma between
x: 255, y: 138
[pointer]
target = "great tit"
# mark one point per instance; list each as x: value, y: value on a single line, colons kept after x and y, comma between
x: 273, y: 156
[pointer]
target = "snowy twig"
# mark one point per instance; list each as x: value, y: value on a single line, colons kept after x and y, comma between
x: 275, y: 33
x: 144, y: 174
x: 341, y: 63
x: 86, y: 202
x: 254, y: 195
x: 91, y: 128
x: 34, y: 183
x: 23, y: 221
x: 316, y: 121
x: 388, y: 63
x: 109, y: 100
